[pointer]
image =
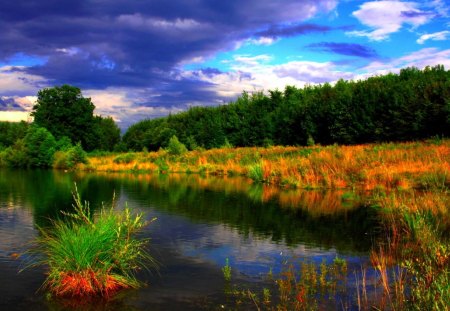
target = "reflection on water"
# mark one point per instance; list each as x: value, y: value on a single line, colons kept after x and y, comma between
x: 201, y: 222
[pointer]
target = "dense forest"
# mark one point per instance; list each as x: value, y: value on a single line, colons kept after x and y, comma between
x: 413, y: 104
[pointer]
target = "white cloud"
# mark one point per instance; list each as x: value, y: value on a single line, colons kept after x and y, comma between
x: 14, y: 81
x: 142, y: 22
x: 439, y: 36
x: 420, y: 59
x: 71, y: 51
x: 123, y: 105
x: 254, y: 73
x: 440, y: 7
x: 386, y: 17
x: 311, y: 72
x: 245, y: 61
x: 261, y: 41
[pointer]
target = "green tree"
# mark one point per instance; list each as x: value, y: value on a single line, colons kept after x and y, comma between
x: 108, y: 133
x: 10, y: 132
x: 65, y: 112
x: 40, y: 146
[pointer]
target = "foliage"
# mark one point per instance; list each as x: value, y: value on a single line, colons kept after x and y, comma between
x: 40, y: 147
x: 66, y: 113
x: 174, y: 147
x: 92, y: 255
x: 410, y: 105
x: 124, y: 158
x: 69, y: 158
x: 108, y: 133
x: 417, y: 242
x: 16, y: 155
x: 63, y: 144
x: 10, y: 132
x: 36, y: 149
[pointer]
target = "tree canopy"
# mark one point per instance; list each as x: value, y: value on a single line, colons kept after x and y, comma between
x: 413, y: 104
x: 64, y: 112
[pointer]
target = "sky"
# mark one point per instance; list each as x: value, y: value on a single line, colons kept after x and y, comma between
x: 141, y: 59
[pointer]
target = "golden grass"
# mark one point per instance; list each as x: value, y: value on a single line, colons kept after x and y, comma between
x: 388, y: 166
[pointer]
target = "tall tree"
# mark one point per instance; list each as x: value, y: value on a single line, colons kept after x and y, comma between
x: 65, y: 112
x: 108, y: 133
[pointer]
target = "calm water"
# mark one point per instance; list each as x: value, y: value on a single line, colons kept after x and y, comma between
x: 200, y: 223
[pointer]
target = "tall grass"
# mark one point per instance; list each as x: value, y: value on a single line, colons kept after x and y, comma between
x: 416, y: 251
x: 92, y: 255
x: 371, y: 166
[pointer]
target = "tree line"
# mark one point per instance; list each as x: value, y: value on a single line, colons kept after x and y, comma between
x: 411, y: 105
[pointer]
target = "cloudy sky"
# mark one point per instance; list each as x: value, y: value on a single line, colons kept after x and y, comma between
x: 141, y: 59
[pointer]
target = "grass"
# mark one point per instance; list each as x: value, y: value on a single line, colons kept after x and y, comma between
x: 417, y: 244
x: 409, y: 265
x: 92, y: 255
x: 368, y: 167
x: 226, y: 270
x: 309, y: 287
x: 408, y: 182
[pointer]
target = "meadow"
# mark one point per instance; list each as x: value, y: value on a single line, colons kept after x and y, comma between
x: 409, y: 165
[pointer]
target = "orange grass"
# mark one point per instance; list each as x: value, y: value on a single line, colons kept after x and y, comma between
x: 86, y: 284
x: 388, y: 166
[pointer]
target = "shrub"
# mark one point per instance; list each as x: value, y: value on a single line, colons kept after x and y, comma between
x: 124, y: 158
x: 40, y: 147
x: 175, y: 147
x: 16, y: 155
x: 68, y: 159
x: 92, y: 255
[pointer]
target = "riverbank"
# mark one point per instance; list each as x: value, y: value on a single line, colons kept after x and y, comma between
x: 372, y: 166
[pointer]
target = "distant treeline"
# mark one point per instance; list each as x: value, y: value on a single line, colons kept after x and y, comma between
x: 413, y: 104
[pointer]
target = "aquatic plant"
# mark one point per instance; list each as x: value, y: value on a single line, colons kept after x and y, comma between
x: 92, y: 255
x: 226, y: 270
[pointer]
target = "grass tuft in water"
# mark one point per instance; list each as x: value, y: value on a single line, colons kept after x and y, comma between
x: 89, y: 255
x: 226, y: 270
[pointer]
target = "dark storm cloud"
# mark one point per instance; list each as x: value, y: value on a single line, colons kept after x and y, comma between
x: 95, y: 44
x: 349, y: 49
x: 289, y: 31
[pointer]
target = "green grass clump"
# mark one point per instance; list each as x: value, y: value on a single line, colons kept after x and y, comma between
x: 125, y: 158
x: 256, y: 172
x: 91, y: 255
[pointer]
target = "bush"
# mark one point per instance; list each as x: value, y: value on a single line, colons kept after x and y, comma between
x: 124, y: 158
x: 68, y: 159
x: 40, y: 147
x: 91, y: 255
x: 175, y: 147
x: 16, y: 155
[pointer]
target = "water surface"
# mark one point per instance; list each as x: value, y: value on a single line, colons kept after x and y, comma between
x: 201, y: 221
